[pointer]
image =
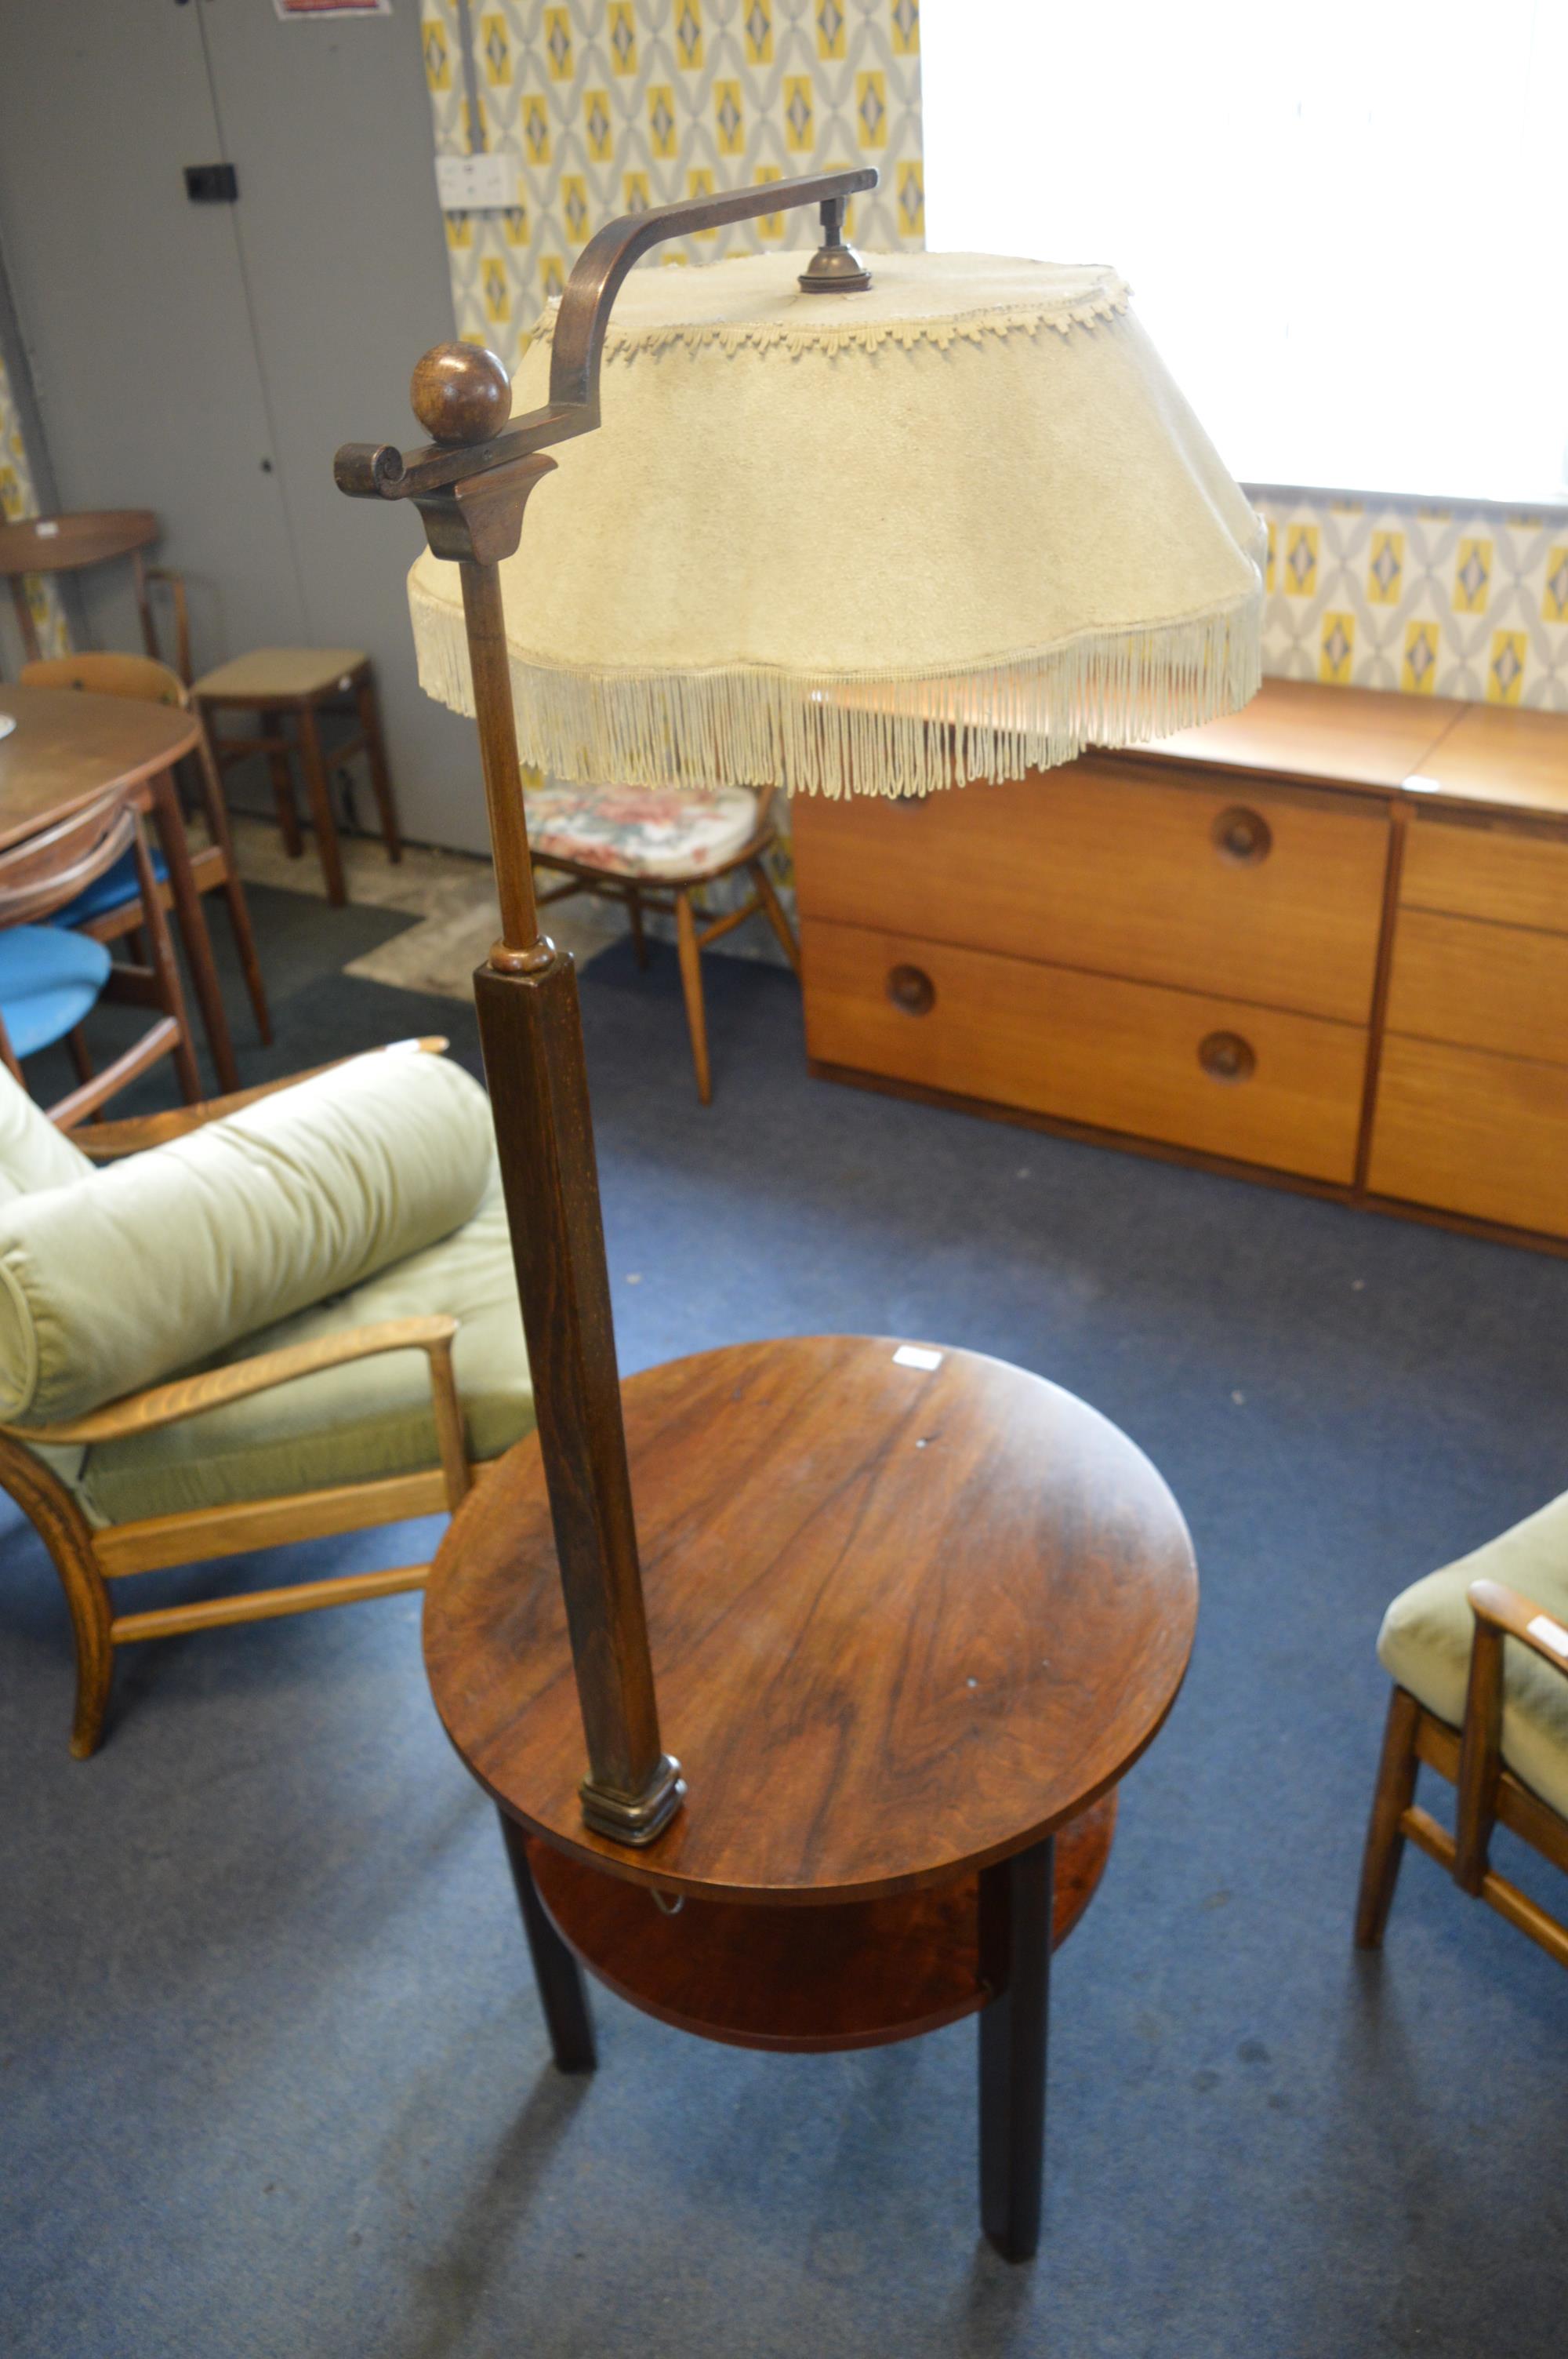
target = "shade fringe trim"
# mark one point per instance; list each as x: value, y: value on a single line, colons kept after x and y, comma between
x: 847, y: 333
x: 818, y: 733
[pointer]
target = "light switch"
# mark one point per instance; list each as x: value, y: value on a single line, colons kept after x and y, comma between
x: 476, y: 184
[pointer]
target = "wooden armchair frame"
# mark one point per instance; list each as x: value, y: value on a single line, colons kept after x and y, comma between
x: 88, y: 1559
x: 1471, y: 1759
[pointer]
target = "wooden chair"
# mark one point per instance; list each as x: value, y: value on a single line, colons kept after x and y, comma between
x: 657, y: 851
x: 275, y: 683
x: 176, y: 1453
x: 1479, y: 1656
x: 46, y: 985
x: 112, y: 907
x: 69, y: 544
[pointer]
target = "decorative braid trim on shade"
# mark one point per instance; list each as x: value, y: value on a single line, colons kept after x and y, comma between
x: 1075, y: 299
x: 890, y: 733
x: 876, y: 543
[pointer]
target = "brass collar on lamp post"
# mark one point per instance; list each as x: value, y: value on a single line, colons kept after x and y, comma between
x: 470, y: 485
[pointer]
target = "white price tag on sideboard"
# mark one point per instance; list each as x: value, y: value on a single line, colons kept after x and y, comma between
x: 912, y: 1355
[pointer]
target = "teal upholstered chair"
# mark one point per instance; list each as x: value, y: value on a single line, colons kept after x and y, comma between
x: 1478, y: 1654
x: 266, y: 1319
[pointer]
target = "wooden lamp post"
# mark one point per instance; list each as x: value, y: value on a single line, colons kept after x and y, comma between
x: 470, y: 485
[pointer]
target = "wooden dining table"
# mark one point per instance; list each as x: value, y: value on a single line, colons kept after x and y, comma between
x: 68, y: 748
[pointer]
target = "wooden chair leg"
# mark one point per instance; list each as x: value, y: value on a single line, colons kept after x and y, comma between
x: 283, y: 787
x: 61, y: 1526
x: 81, y: 1054
x: 562, y: 1992
x: 1015, y: 1905
x: 773, y: 909
x: 369, y: 705
x: 639, y: 939
x: 326, y: 826
x: 1390, y: 1801
x: 691, y: 984
x: 166, y: 969
x: 216, y: 813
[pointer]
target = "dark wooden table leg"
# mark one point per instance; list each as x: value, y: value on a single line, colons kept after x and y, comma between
x: 562, y: 1992
x: 193, y: 934
x: 1015, y: 1960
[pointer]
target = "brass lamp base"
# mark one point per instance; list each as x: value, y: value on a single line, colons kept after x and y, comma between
x: 634, y: 1820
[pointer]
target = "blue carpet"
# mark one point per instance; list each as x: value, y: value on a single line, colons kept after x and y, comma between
x: 273, y: 2075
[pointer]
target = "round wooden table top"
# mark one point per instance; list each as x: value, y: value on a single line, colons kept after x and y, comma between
x: 69, y: 747
x: 910, y: 1610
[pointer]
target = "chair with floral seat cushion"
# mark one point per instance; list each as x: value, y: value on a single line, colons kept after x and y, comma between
x: 365, y: 1210
x: 1478, y: 1653
x: 654, y: 849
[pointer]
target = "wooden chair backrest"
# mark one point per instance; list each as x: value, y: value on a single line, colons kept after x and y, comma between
x: 142, y: 677
x: 45, y: 871
x: 66, y: 544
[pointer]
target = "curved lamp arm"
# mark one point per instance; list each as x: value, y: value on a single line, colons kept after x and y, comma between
x: 371, y: 470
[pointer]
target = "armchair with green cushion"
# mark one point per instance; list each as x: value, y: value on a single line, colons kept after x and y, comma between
x: 271, y: 1318
x: 1478, y: 1654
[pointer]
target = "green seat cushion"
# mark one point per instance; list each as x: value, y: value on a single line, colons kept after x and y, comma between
x: 162, y: 1260
x: 351, y: 1424
x: 1425, y: 1644
x: 33, y: 1153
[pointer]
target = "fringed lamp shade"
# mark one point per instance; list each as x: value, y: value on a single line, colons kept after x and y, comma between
x: 956, y: 526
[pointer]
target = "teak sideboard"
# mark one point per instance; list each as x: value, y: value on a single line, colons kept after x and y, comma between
x: 1322, y: 942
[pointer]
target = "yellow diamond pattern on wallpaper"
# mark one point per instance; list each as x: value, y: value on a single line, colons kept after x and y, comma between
x: 623, y: 37
x: 729, y: 118
x: 1386, y: 569
x: 1554, y: 595
x: 18, y: 498
x: 1420, y: 667
x: 557, y: 44
x: 611, y: 108
x: 1335, y: 648
x: 1416, y: 631
x: 797, y: 113
x: 688, y: 34
x: 1471, y: 577
x: 1505, y: 673
x: 871, y: 109
x: 1301, y: 560
x: 495, y: 51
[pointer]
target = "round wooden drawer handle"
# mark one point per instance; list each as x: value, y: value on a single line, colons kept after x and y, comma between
x: 1242, y: 835
x: 911, y: 988
x: 1226, y: 1057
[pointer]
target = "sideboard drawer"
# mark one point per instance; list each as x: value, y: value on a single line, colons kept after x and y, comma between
x: 1214, y: 883
x: 1473, y: 1133
x: 1480, y: 985
x: 1250, y: 1083
x: 1509, y: 872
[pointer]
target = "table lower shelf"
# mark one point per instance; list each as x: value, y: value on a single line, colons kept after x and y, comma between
x: 856, y: 1974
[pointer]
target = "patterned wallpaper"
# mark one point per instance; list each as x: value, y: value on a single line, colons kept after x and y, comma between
x: 1433, y: 600
x: 609, y: 105
x: 18, y: 498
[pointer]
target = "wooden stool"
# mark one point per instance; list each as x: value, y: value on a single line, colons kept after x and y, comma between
x: 915, y: 1614
x: 304, y: 681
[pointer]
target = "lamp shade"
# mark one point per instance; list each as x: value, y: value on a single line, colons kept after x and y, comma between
x: 957, y: 525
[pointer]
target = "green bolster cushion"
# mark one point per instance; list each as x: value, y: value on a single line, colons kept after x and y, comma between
x: 157, y: 1262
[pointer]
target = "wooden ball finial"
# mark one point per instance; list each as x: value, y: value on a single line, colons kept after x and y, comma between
x: 461, y: 394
